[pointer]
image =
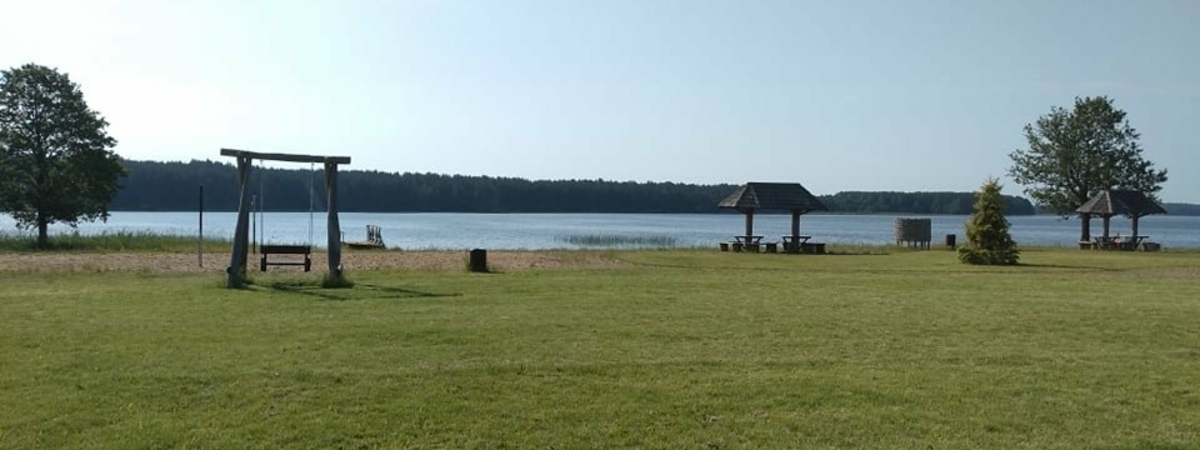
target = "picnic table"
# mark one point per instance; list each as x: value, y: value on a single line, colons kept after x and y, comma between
x: 748, y: 239
x: 787, y: 239
x: 1119, y: 243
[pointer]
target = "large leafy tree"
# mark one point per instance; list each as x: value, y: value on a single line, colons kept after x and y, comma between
x: 988, y: 240
x: 1074, y: 154
x: 56, y: 163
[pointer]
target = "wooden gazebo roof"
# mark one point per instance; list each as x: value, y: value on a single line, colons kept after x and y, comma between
x: 1121, y: 202
x: 772, y: 197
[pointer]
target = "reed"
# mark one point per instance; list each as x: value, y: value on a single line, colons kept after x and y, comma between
x: 619, y: 241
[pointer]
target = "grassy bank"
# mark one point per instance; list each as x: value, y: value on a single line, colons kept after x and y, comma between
x: 116, y: 241
x: 678, y: 349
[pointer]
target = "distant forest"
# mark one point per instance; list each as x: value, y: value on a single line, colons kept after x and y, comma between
x: 173, y: 186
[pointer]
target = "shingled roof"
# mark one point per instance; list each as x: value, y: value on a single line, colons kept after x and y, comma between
x: 772, y: 197
x: 1121, y: 202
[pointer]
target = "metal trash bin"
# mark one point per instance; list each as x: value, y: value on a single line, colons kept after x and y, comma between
x: 478, y: 260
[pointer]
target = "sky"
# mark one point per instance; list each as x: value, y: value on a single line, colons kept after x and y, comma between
x: 917, y: 95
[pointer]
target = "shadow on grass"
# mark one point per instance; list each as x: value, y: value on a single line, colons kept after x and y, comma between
x: 360, y: 291
x: 1069, y: 267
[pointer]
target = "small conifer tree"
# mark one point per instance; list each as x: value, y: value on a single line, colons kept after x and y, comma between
x: 988, y: 241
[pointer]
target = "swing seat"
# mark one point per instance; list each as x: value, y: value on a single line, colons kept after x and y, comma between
x: 266, y: 250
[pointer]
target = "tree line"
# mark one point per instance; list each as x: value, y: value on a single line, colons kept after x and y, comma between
x: 173, y: 186
x: 918, y: 202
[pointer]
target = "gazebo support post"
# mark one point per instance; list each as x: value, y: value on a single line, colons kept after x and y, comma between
x: 794, y: 247
x: 241, y: 233
x: 331, y: 222
x: 749, y: 224
x: 1134, y: 221
x: 1085, y: 227
x: 1107, y: 220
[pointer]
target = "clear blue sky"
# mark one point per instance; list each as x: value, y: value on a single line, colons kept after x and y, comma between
x: 837, y: 95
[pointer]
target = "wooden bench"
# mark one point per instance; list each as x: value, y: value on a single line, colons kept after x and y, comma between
x: 266, y: 250
x: 794, y: 247
x: 813, y: 248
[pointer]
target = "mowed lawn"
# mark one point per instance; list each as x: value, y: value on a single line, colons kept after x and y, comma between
x: 679, y: 349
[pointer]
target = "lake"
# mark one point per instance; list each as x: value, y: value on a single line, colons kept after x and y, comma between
x: 457, y: 231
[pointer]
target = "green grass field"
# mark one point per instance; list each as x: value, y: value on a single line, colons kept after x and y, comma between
x: 683, y: 349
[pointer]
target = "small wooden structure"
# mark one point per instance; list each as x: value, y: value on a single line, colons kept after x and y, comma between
x: 241, y: 235
x: 1112, y: 202
x: 791, y: 197
x: 915, y: 233
x: 374, y: 240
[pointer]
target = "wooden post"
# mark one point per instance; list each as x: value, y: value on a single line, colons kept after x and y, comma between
x: 795, y: 226
x: 237, y: 262
x: 1106, y: 220
x: 333, y: 227
x: 1134, y: 220
x: 749, y: 224
x: 200, y: 208
x: 1085, y: 227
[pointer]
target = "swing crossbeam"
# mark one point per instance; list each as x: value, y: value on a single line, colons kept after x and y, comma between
x: 285, y: 157
x: 265, y: 250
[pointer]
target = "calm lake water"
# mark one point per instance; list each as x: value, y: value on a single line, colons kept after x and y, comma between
x: 551, y: 231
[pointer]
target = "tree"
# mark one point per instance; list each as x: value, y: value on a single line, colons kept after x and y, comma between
x: 988, y: 241
x: 55, y: 160
x: 1074, y: 154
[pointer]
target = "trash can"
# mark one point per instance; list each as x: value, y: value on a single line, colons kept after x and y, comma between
x: 951, y: 241
x: 478, y: 260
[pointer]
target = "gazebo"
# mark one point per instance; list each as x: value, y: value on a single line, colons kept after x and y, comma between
x: 1112, y: 202
x: 791, y: 197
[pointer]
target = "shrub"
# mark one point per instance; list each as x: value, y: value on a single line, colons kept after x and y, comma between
x: 988, y: 240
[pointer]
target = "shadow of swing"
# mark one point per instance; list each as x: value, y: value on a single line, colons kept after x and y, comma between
x: 1079, y: 268
x: 360, y: 291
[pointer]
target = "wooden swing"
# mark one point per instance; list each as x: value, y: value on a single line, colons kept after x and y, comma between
x: 265, y: 250
x: 237, y: 261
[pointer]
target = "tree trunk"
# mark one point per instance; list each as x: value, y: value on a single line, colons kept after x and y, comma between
x: 43, y: 237
x: 1085, y: 227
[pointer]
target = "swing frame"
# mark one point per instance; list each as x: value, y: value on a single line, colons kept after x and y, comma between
x: 241, y: 237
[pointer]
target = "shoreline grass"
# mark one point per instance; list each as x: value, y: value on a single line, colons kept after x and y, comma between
x: 119, y: 241
x: 620, y: 241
